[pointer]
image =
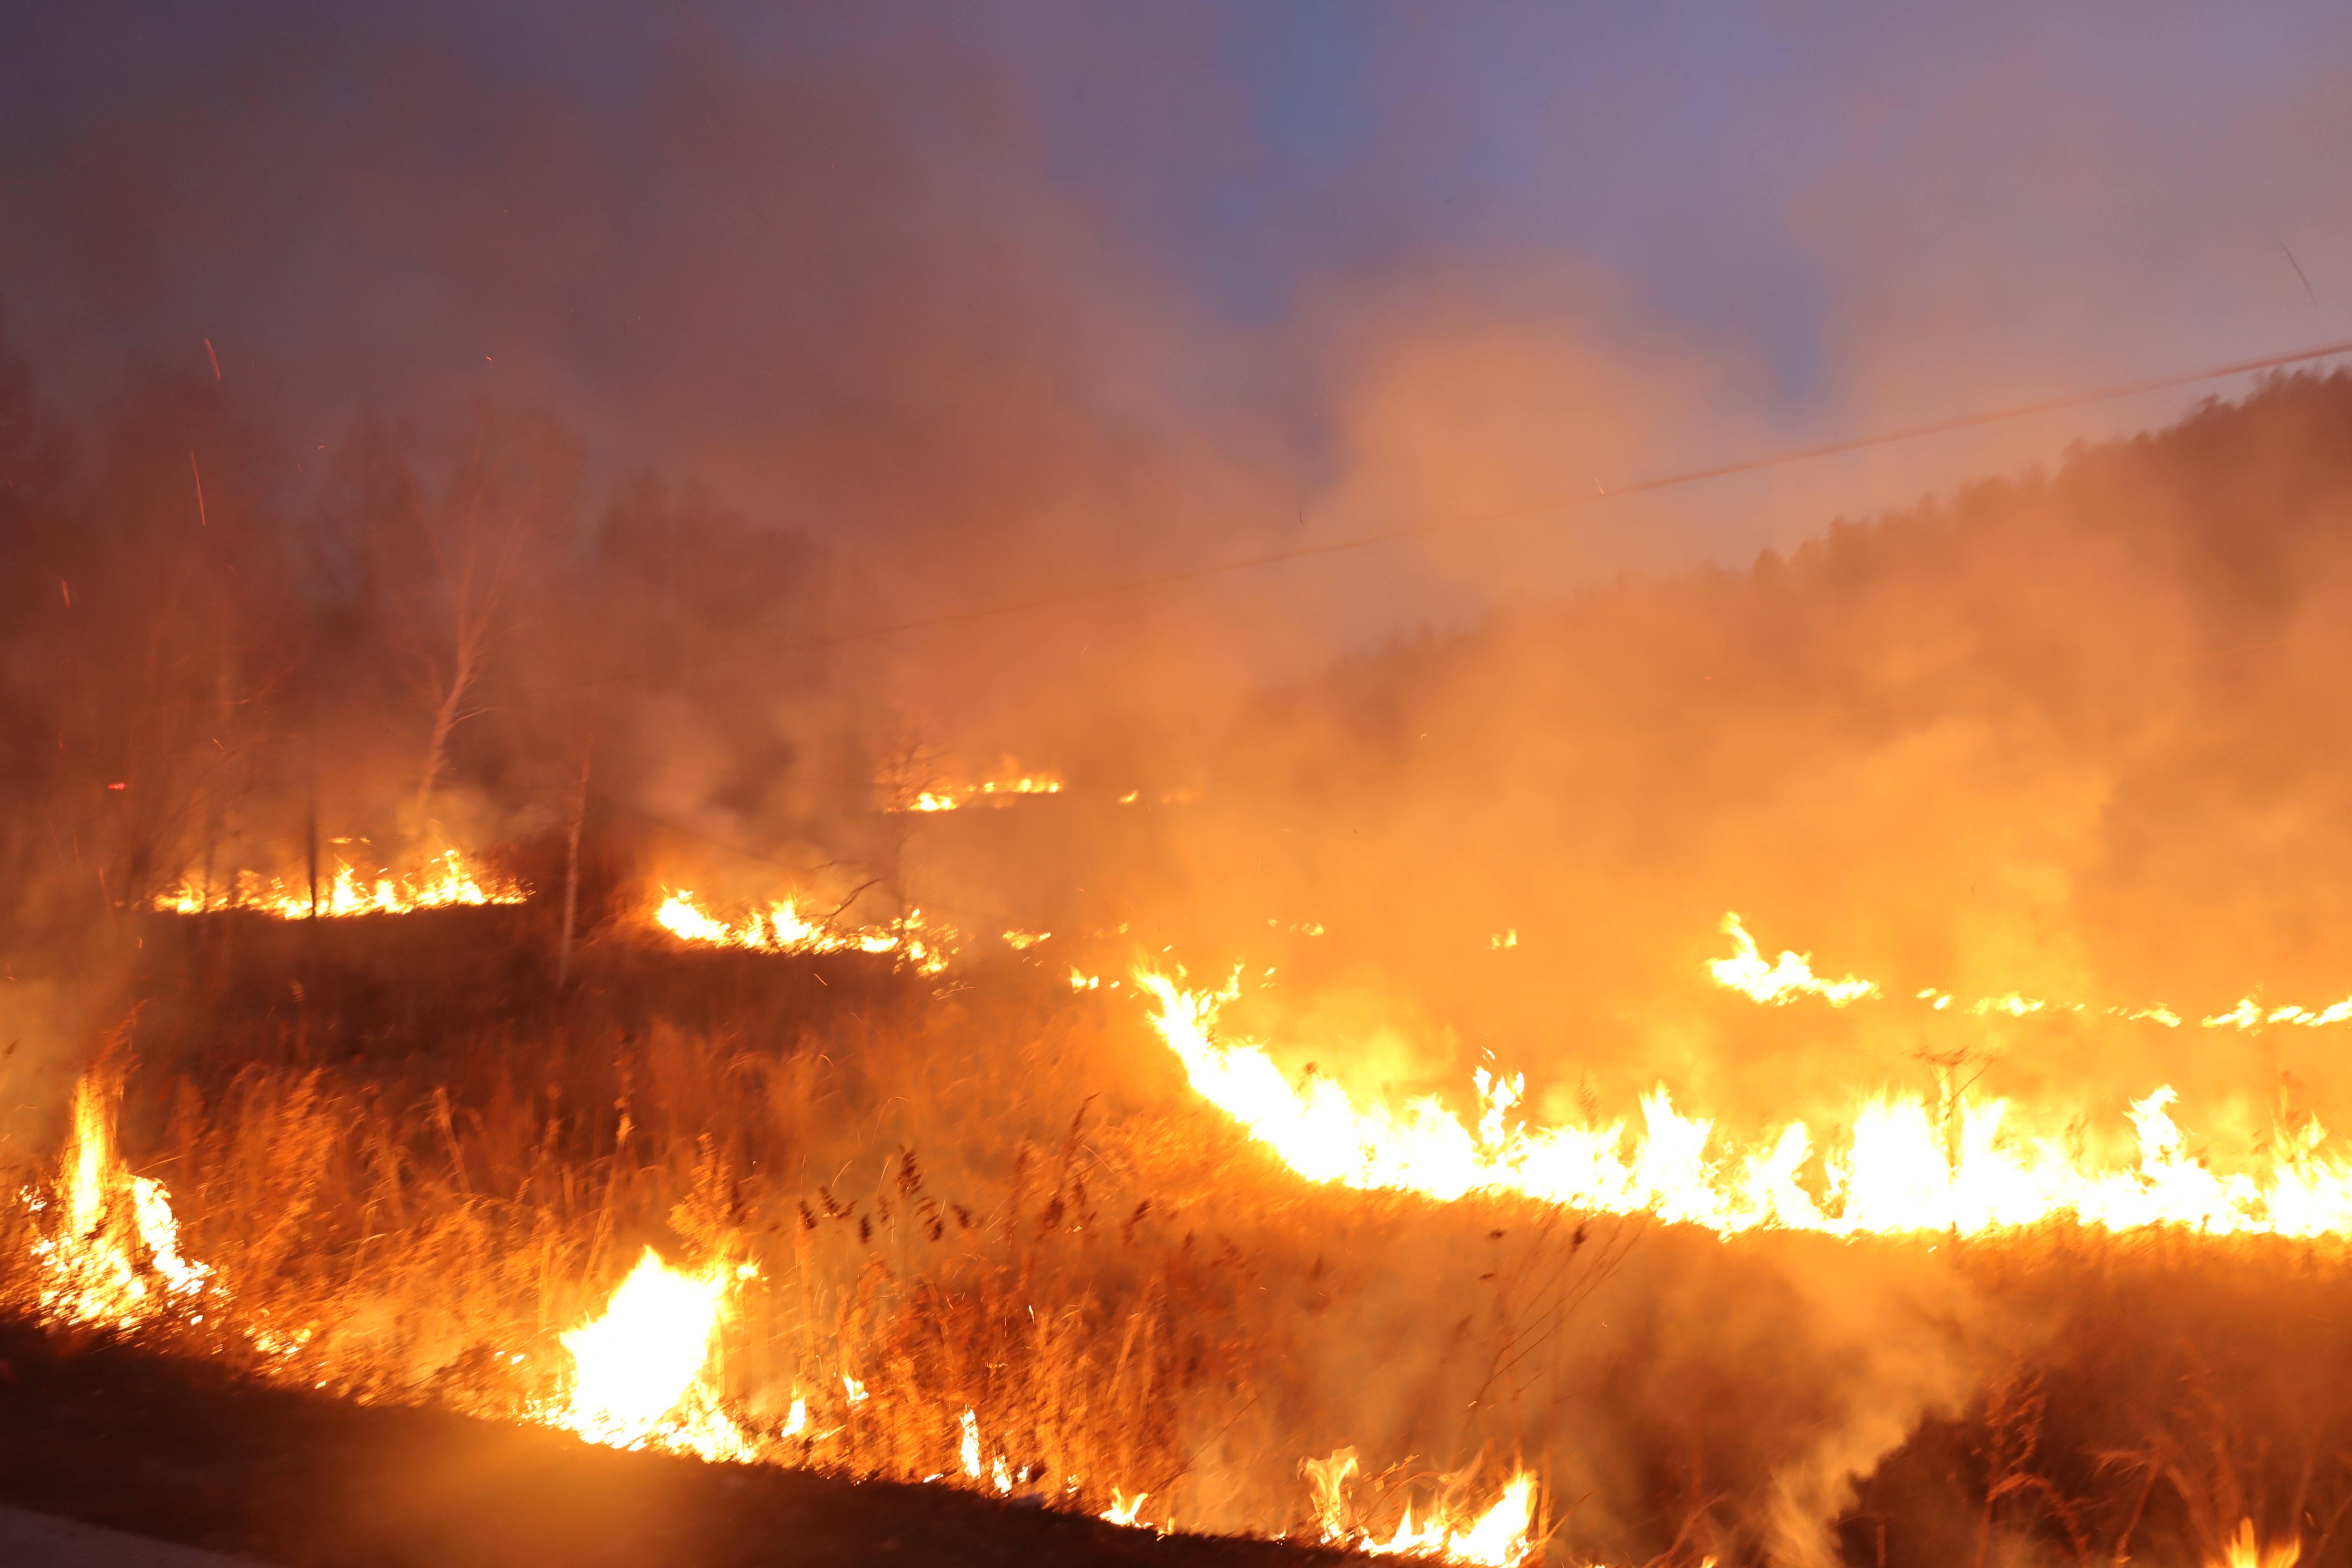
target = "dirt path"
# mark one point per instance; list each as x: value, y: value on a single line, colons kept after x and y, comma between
x: 107, y: 1434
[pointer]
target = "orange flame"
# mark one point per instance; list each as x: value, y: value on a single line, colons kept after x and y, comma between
x: 445, y: 881
x: 782, y: 927
x: 1783, y: 982
x: 1904, y: 1168
x: 112, y: 1253
x: 640, y: 1368
x: 2242, y: 1550
x: 1746, y: 972
x: 643, y: 1374
x: 993, y: 791
x: 1496, y: 1538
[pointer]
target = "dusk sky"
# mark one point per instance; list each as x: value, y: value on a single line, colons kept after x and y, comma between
x: 1227, y: 273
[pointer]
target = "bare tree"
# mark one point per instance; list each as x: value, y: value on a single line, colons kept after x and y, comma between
x: 477, y: 532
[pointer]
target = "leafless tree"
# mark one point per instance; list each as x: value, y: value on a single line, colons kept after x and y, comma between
x: 494, y: 502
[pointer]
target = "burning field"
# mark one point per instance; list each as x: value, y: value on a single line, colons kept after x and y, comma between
x: 1844, y: 1060
x: 1088, y: 1246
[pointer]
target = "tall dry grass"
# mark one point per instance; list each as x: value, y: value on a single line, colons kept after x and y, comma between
x: 990, y: 1195
x: 982, y: 1197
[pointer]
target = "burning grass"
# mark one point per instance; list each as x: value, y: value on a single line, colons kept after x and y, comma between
x: 561, y: 1237
x: 980, y: 1234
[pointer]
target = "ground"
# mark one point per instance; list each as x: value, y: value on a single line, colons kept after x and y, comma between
x: 104, y: 1432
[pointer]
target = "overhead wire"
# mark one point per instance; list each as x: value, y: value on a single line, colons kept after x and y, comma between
x: 1782, y: 459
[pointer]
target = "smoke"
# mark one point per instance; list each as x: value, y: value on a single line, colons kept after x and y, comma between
x: 2061, y: 737
x: 648, y: 450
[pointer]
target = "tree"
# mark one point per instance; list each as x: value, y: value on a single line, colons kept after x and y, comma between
x: 446, y: 537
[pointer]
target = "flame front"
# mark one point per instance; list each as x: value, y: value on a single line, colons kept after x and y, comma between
x: 445, y: 881
x: 780, y: 927
x: 1904, y: 1169
x: 991, y: 792
x: 1495, y: 1538
x: 1792, y: 976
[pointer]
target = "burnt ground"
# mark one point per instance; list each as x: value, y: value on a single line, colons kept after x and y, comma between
x: 114, y: 1435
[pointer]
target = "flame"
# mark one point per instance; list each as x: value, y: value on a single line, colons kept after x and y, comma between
x: 443, y: 882
x: 782, y: 927
x: 970, y: 1449
x: 1778, y: 984
x: 2241, y: 1550
x: 2250, y: 1014
x: 1497, y: 1538
x: 113, y: 1255
x: 640, y: 1368
x: 643, y: 1372
x: 1904, y: 1168
x: 994, y: 792
x: 1746, y: 972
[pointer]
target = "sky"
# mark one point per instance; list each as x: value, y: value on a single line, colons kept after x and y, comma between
x: 1096, y: 289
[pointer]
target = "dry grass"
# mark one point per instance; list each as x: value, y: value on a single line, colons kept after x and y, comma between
x: 995, y: 1198
x: 974, y: 1201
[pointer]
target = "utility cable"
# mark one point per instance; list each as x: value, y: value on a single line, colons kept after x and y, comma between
x: 1177, y: 575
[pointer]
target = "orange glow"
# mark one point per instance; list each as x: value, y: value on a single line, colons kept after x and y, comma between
x: 1746, y: 972
x: 1495, y: 1538
x: 780, y: 927
x: 1784, y: 981
x: 640, y: 1367
x: 443, y: 882
x: 1903, y: 1167
x: 991, y: 792
x: 2244, y: 1551
x: 110, y: 1251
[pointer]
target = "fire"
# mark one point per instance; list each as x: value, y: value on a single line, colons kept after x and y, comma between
x: 1746, y: 972
x: 443, y: 882
x: 1496, y: 1538
x: 782, y: 927
x: 112, y: 1252
x: 993, y: 791
x: 1791, y: 978
x: 640, y: 1368
x: 2249, y: 1014
x: 1904, y: 1167
x: 2244, y: 1551
x: 644, y: 1371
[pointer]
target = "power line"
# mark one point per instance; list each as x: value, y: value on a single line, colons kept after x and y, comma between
x: 1640, y: 487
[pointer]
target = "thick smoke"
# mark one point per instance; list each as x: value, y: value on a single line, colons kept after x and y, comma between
x: 536, y: 450
x: 2064, y: 736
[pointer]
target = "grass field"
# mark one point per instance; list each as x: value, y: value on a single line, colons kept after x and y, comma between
x: 977, y: 1230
